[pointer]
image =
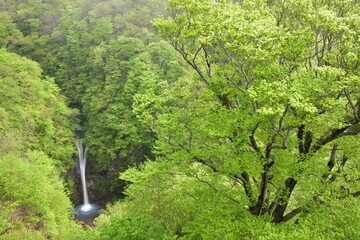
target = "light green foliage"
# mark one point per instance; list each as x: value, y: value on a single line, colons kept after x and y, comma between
x: 23, y: 234
x: 262, y: 134
x: 33, y: 113
x: 121, y: 221
x: 272, y: 116
x: 33, y: 195
x: 134, y: 226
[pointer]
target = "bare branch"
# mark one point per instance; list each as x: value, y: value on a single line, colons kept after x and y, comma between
x: 308, y: 141
x: 204, y: 162
x: 332, y: 135
x: 300, y: 136
x: 283, y: 116
x: 268, y: 147
x: 207, y: 60
x: 196, y: 54
x: 241, y: 178
x: 283, y: 200
x: 351, y: 131
x: 239, y: 71
x: 352, y: 127
x: 192, y: 63
x: 207, y: 183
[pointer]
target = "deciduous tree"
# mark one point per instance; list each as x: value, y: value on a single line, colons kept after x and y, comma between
x: 274, y: 109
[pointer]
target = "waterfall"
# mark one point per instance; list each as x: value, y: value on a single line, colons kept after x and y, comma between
x: 82, y: 165
x: 85, y: 212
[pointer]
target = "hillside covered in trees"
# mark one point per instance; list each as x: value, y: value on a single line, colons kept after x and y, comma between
x: 204, y: 119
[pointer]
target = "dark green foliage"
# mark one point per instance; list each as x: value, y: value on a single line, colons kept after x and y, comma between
x: 126, y: 67
x: 91, y: 49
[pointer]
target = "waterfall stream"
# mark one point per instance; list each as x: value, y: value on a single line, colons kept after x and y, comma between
x: 86, y: 211
x: 82, y: 165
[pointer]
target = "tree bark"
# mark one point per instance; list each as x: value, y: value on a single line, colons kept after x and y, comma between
x: 278, y: 214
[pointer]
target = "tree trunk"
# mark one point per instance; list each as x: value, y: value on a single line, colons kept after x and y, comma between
x: 278, y: 214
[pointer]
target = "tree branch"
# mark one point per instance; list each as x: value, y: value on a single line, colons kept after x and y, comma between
x: 291, y: 214
x: 283, y: 200
x: 343, y: 162
x: 258, y: 209
x: 300, y: 136
x: 331, y: 162
x: 192, y: 63
x: 351, y: 131
x: 215, y: 189
x: 355, y: 194
x: 308, y: 141
x: 253, y: 143
x: 332, y: 135
x: 207, y: 60
x: 268, y: 147
x: 347, y: 95
x: 352, y: 128
x: 245, y: 179
x: 206, y: 163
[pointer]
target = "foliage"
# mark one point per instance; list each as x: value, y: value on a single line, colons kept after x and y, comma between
x: 259, y: 141
x: 128, y: 67
x: 135, y: 226
x: 278, y: 83
x: 121, y: 221
x: 33, y: 196
x: 33, y: 113
x: 90, y: 48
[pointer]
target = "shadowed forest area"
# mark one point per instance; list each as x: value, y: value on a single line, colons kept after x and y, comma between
x: 203, y: 119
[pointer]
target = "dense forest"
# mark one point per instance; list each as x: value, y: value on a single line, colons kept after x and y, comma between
x: 204, y: 119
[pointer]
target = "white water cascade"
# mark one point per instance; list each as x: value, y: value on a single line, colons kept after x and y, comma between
x: 86, y: 211
x: 82, y: 165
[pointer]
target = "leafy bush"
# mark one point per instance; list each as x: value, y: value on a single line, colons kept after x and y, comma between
x: 32, y: 110
x: 33, y: 195
x: 134, y: 226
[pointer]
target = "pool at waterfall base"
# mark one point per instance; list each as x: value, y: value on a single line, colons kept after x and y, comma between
x: 86, y: 212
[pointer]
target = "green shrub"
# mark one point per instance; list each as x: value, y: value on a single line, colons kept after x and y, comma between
x: 133, y: 226
x: 32, y: 195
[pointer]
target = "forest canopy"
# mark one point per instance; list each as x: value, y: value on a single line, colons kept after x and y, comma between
x: 205, y: 119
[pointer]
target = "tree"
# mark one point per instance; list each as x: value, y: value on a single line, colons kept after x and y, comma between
x: 8, y: 30
x: 273, y: 111
x: 32, y: 110
x: 32, y: 194
x: 88, y: 47
x: 126, y: 67
x: 34, y: 124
